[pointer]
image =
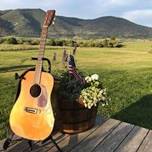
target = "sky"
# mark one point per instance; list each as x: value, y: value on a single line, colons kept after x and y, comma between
x: 138, y: 11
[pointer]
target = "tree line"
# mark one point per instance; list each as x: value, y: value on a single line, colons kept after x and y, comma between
x: 106, y: 42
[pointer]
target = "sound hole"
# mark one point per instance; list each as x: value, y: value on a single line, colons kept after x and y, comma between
x: 35, y: 90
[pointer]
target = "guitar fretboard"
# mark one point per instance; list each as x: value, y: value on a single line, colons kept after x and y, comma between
x: 39, y: 64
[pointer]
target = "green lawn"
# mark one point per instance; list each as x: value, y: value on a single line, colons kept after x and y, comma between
x: 126, y: 73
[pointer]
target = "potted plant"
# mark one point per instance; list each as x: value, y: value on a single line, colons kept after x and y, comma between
x: 78, y: 101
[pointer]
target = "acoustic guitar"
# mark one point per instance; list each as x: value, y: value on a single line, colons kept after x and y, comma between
x: 32, y: 115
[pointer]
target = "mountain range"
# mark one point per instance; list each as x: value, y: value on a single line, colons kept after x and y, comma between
x: 28, y: 22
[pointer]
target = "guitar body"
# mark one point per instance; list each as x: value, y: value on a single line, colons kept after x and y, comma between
x: 32, y: 115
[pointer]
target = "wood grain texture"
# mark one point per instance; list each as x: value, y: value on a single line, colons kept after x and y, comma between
x: 133, y: 140
x: 97, y: 136
x: 115, y: 138
x: 74, y: 140
x: 146, y: 146
x: 107, y: 136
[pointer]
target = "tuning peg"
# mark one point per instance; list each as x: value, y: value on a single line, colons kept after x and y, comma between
x: 53, y: 22
x: 54, y: 18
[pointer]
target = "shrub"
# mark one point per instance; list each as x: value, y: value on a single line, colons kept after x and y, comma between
x: 67, y: 42
x: 20, y: 41
x: 35, y: 42
x: 51, y: 42
x: 11, y: 40
x: 59, y: 42
x: 105, y: 43
x: 99, y: 44
x: 27, y: 42
x: 1, y: 40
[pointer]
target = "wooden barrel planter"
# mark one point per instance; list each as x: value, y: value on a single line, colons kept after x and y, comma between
x: 75, y: 118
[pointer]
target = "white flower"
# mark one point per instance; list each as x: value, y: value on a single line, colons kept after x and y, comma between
x: 88, y: 79
x: 89, y: 107
x: 103, y: 98
x: 95, y: 77
x: 101, y: 91
x: 85, y: 105
x: 103, y: 104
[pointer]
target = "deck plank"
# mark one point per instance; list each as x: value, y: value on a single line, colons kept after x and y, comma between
x: 146, y: 146
x: 106, y: 136
x: 22, y: 146
x: 74, y: 140
x: 1, y: 144
x: 133, y: 140
x: 115, y: 138
x: 97, y: 136
x: 48, y: 145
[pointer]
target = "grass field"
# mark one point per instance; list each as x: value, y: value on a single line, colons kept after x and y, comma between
x: 126, y: 73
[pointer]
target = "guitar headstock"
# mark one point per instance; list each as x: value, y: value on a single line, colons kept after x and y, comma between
x: 49, y: 18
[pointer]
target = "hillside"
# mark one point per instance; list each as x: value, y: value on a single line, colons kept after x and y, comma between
x: 27, y: 22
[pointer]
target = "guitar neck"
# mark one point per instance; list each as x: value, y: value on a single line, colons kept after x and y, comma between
x: 38, y: 68
x: 48, y: 21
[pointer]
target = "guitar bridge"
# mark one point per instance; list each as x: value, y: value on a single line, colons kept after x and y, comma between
x: 32, y: 110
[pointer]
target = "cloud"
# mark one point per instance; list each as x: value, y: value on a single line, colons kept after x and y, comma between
x: 140, y: 16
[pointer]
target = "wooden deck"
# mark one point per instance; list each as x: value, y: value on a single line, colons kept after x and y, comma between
x: 107, y: 136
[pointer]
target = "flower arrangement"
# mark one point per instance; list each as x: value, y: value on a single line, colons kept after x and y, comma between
x: 91, y: 92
